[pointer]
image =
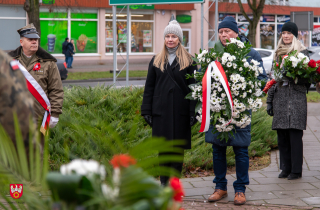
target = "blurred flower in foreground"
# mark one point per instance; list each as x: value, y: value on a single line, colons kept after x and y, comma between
x: 178, y: 192
x: 122, y: 160
x: 84, y: 167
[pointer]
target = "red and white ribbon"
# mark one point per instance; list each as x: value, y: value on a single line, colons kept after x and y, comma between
x: 216, y: 69
x: 39, y: 94
x: 206, y: 95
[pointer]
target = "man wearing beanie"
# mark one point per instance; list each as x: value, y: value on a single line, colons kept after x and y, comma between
x: 242, y: 137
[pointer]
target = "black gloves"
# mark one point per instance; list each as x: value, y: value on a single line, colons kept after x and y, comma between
x: 193, y: 120
x: 270, y: 109
x: 148, y: 119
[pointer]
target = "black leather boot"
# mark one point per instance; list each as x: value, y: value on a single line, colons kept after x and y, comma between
x: 284, y: 174
x: 294, y: 176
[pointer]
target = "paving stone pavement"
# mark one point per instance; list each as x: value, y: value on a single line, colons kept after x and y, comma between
x: 266, y: 190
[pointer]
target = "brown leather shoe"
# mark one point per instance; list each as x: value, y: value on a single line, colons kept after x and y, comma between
x: 218, y: 195
x: 239, y: 198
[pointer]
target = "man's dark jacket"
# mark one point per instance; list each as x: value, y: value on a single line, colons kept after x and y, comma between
x: 64, y: 47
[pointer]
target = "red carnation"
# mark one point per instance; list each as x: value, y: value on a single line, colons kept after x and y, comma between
x: 122, y: 160
x: 178, y: 192
x: 269, y: 85
x: 36, y: 67
x: 312, y: 63
x: 277, y: 64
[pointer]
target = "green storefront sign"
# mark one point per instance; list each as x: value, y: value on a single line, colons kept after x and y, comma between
x: 143, y: 6
x: 136, y: 2
x: 48, y: 2
x: 184, y: 18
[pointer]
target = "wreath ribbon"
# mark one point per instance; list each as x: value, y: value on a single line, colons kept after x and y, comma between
x: 215, y: 68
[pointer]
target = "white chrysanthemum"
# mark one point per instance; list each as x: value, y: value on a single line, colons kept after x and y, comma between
x: 240, y: 69
x: 246, y: 64
x: 229, y: 64
x: 306, y: 60
x: 208, y: 60
x: 234, y: 66
x: 260, y: 70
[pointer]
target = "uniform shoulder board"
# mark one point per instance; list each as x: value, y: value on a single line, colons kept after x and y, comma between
x: 14, y: 65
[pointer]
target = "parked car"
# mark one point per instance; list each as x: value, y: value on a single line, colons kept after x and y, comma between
x: 62, y: 66
x: 314, y: 53
x: 267, y: 58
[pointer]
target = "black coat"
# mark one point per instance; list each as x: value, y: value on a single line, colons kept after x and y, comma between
x: 289, y: 104
x: 166, y: 102
x: 69, y: 50
x: 64, y: 47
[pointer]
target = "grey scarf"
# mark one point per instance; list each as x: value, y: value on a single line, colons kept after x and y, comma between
x: 172, y: 54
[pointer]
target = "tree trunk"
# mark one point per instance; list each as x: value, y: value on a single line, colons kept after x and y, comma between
x: 252, y: 34
x: 32, y: 9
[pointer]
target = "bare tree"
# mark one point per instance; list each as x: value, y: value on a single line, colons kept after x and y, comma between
x: 32, y: 9
x: 256, y: 8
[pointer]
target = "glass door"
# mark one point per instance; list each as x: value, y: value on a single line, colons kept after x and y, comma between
x: 186, y: 42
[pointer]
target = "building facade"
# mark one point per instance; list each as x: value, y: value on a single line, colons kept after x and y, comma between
x: 89, y: 24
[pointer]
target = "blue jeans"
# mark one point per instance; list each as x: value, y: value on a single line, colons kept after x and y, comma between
x: 69, y: 61
x: 220, y: 167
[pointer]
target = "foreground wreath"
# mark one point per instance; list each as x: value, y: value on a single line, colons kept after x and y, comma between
x: 228, y: 87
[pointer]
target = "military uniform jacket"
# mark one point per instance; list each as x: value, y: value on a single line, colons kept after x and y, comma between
x: 48, y: 78
x: 14, y: 99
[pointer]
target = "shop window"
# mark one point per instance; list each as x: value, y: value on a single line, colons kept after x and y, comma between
x: 141, y: 37
x: 267, y: 36
x: 279, y: 29
x: 12, y: 11
x: 186, y: 39
x: 53, y: 34
x: 211, y: 38
x: 223, y: 15
x: 109, y: 15
x: 316, y: 35
x: 11, y: 19
x: 243, y: 29
x: 84, y: 34
x: 303, y: 37
x: 141, y: 16
x: 83, y: 29
x: 121, y: 36
x: 315, y: 19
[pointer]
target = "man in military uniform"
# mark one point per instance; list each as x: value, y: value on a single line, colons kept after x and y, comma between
x: 42, y: 67
x: 14, y: 98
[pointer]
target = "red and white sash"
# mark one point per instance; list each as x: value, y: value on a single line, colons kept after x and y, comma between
x: 39, y: 94
x: 216, y: 69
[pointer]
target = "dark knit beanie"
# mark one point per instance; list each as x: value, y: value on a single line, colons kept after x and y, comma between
x: 229, y: 22
x: 291, y: 27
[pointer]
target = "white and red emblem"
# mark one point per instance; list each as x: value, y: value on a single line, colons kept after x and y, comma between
x: 16, y: 190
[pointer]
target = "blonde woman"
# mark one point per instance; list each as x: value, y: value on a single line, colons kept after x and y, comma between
x: 287, y: 103
x: 164, y: 106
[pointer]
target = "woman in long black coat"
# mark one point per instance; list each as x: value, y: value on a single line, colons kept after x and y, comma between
x: 164, y: 106
x: 287, y: 103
